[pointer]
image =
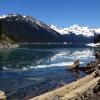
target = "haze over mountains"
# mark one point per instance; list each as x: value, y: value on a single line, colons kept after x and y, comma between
x: 25, y: 29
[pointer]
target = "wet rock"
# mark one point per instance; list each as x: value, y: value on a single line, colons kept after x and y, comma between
x: 91, y: 67
x: 97, y: 73
x: 97, y: 55
x: 96, y: 89
x: 75, y: 65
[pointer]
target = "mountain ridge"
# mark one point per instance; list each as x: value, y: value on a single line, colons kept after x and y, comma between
x: 26, y: 29
x: 77, y: 29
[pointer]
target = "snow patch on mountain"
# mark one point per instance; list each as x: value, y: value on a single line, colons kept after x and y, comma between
x: 8, y: 15
x: 77, y: 30
x: 97, y: 30
x: 3, y: 16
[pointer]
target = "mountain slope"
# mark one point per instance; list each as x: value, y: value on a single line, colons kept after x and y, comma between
x: 27, y: 29
x: 15, y: 28
x: 78, y: 34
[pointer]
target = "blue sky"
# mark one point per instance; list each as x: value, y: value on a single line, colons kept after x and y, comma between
x: 62, y: 13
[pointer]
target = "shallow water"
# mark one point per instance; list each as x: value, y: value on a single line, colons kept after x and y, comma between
x: 27, y: 71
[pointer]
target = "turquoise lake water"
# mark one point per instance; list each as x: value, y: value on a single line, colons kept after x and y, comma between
x: 32, y: 71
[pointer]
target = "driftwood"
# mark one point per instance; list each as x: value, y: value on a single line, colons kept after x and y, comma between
x: 79, y: 89
x: 43, y: 89
x: 97, y: 87
x: 73, y: 90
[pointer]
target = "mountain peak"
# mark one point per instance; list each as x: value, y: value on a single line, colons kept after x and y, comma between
x: 75, y: 26
x: 77, y: 30
x: 9, y: 15
x: 21, y: 28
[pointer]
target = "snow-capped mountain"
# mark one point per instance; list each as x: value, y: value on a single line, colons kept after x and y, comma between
x: 25, y: 18
x: 78, y: 34
x: 77, y: 30
x: 21, y: 28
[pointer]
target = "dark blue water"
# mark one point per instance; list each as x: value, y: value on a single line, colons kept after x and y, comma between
x: 26, y: 72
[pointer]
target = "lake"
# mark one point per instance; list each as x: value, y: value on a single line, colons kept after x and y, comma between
x: 27, y: 72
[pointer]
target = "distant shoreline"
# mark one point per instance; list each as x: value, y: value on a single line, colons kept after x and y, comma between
x: 40, y: 45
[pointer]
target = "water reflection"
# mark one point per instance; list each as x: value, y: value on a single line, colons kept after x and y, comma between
x: 22, y: 58
x: 75, y: 72
x: 25, y: 71
x: 38, y: 58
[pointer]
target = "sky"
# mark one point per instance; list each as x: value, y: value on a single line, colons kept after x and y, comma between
x: 62, y: 13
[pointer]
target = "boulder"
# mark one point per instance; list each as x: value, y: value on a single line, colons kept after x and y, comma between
x: 2, y: 95
x: 97, y: 55
x: 75, y: 65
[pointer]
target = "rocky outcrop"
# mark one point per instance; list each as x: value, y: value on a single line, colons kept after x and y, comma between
x: 75, y: 65
x: 87, y: 88
x: 93, y: 65
x: 2, y: 95
x: 6, y: 42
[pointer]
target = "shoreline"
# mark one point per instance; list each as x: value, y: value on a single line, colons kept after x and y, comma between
x: 90, y: 81
x: 72, y: 91
x: 82, y: 89
x: 8, y: 45
x: 44, y: 45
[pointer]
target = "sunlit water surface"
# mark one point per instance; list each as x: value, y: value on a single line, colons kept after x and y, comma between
x: 27, y: 71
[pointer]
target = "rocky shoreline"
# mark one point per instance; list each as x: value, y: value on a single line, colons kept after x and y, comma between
x: 9, y: 45
x: 86, y: 88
